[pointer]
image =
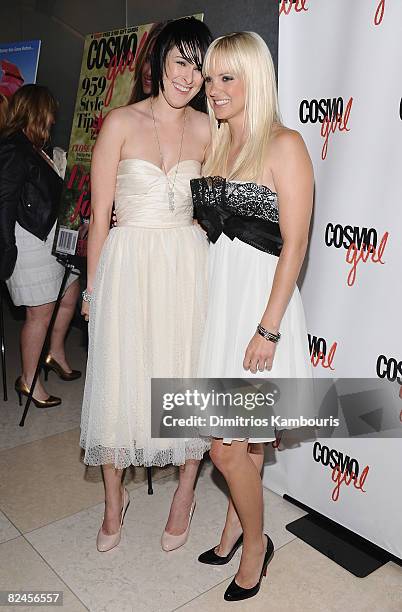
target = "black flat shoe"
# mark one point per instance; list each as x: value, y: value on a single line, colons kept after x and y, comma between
x: 211, y: 558
x: 235, y: 593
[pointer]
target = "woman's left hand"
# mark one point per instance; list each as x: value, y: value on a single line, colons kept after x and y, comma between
x: 259, y: 354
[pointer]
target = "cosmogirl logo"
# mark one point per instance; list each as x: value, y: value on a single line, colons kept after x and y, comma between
x: 379, y: 14
x: 286, y: 6
x: 345, y: 470
x: 389, y: 368
x: 320, y: 355
x: 118, y: 54
x: 330, y: 125
x: 119, y: 65
x: 361, y: 243
x: 332, y: 113
x: 354, y: 256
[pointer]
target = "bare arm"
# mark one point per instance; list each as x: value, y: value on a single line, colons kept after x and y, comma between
x: 294, y: 182
x: 205, y: 134
x: 105, y: 159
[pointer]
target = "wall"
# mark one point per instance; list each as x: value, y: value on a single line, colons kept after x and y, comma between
x: 62, y: 25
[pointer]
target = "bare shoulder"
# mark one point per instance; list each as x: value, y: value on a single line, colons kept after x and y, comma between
x: 288, y: 160
x: 124, y: 116
x: 288, y: 155
x: 113, y: 125
x: 285, y: 142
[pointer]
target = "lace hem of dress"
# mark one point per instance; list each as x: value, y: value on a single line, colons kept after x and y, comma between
x: 122, y: 458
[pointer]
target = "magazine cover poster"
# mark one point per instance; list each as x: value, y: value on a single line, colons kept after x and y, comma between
x: 115, y: 70
x: 18, y: 65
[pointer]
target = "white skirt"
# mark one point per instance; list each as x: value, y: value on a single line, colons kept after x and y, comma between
x: 37, y: 275
x: 240, y: 281
x: 146, y: 320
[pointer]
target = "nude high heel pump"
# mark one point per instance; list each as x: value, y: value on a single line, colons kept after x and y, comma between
x: 105, y: 542
x: 171, y: 542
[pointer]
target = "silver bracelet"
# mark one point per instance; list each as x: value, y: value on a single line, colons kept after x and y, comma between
x: 86, y: 296
x: 267, y: 334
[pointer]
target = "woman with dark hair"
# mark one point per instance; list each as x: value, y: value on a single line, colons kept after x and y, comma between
x: 146, y: 292
x: 30, y: 189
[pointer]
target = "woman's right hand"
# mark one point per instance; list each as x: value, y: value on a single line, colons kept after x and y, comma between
x: 85, y: 310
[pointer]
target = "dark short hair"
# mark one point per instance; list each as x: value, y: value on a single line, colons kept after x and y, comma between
x: 192, y: 37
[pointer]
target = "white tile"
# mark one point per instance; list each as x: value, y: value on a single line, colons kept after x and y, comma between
x: 138, y: 574
x: 22, y: 569
x: 300, y: 578
x: 7, y: 529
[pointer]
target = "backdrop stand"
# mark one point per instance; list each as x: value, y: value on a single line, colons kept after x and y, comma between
x: 149, y: 475
x: 349, y: 550
x: 3, y: 345
x: 68, y: 269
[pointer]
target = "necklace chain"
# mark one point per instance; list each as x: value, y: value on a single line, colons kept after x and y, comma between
x: 170, y: 186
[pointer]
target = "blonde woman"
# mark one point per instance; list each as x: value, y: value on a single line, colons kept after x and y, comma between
x: 255, y: 202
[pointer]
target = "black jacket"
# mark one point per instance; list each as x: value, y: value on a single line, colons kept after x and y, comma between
x: 30, y: 193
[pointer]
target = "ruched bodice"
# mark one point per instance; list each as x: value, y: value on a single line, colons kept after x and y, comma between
x: 141, y: 197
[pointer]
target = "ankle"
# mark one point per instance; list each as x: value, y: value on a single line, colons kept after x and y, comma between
x: 27, y: 379
x: 232, y: 528
x: 56, y: 351
x: 233, y: 522
x: 184, y: 494
x: 254, y: 547
x: 114, y: 498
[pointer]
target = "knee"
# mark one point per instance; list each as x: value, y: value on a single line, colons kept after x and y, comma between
x: 222, y: 458
x: 70, y: 297
x: 39, y: 315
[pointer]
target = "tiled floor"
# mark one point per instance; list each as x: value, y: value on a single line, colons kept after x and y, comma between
x: 51, y: 507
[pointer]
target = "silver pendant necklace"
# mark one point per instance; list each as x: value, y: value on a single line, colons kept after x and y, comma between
x: 170, y: 185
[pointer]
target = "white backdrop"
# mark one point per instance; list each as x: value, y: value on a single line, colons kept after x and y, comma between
x: 349, y: 53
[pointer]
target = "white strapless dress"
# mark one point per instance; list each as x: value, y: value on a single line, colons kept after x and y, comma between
x: 146, y: 317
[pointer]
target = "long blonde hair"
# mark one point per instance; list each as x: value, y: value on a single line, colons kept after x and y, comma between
x: 245, y: 55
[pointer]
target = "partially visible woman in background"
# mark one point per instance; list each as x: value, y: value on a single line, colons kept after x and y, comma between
x: 142, y: 81
x: 30, y: 189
